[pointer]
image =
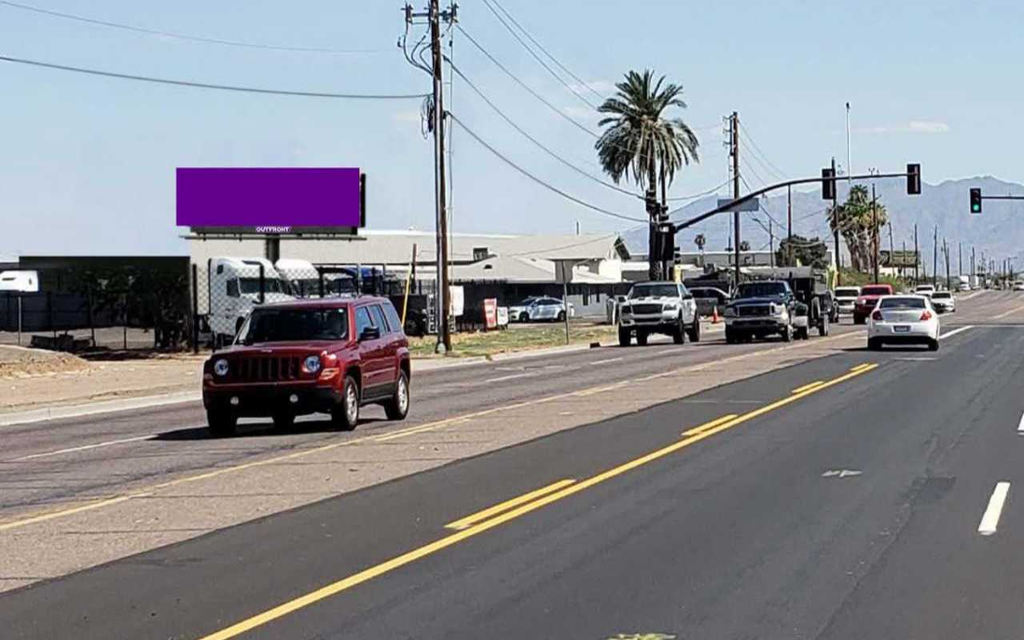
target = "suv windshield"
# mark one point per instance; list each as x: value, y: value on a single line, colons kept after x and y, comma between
x: 762, y: 289
x: 293, y: 325
x: 875, y: 291
x: 654, y: 291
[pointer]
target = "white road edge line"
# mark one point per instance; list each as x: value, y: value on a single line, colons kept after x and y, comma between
x: 990, y: 520
x: 84, y: 448
x: 952, y: 333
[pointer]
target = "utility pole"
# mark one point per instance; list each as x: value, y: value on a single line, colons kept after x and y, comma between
x: 960, y: 253
x: 734, y: 150
x: 874, y: 226
x: 945, y: 251
x: 892, y: 251
x: 434, y: 16
x: 974, y: 267
x: 917, y: 258
x: 789, y: 223
x: 771, y: 244
x: 935, y: 258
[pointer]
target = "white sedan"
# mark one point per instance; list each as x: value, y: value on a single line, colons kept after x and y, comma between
x: 906, y: 319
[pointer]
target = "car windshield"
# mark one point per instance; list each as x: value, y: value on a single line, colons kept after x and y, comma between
x: 293, y: 325
x: 901, y: 303
x: 270, y: 285
x: 875, y: 291
x: 654, y: 291
x: 847, y: 292
x: 762, y: 289
x: 942, y: 295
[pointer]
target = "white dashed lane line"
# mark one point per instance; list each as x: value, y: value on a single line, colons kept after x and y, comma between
x: 990, y: 521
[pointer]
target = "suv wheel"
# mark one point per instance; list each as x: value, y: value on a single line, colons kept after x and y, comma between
x: 694, y: 330
x: 398, y: 406
x: 346, y: 415
x: 222, y: 422
x: 624, y: 337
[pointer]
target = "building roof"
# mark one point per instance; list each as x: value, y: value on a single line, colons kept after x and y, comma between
x: 521, y: 269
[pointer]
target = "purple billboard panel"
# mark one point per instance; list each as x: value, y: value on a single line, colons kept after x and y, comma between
x: 278, y: 199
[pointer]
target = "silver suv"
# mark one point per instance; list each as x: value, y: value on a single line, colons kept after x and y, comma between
x: 658, y: 307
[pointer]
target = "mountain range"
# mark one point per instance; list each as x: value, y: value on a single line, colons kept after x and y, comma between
x: 998, y: 231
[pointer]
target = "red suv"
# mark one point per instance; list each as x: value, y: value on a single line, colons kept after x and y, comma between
x: 865, y: 304
x: 310, y: 356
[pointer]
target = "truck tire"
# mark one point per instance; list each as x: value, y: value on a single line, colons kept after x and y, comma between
x: 729, y: 337
x: 641, y: 337
x: 679, y: 333
x: 694, y: 330
x: 800, y: 333
x: 786, y: 333
x: 823, y: 326
x: 625, y: 339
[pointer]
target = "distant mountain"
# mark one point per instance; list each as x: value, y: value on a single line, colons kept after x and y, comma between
x: 998, y: 231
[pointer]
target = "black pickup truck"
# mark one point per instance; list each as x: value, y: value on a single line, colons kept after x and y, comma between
x: 759, y: 310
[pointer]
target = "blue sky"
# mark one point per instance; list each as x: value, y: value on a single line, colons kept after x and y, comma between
x: 87, y: 164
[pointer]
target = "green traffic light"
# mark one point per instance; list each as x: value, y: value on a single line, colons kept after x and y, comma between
x: 975, y: 208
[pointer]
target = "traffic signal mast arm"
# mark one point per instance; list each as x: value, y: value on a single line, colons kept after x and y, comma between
x: 729, y: 206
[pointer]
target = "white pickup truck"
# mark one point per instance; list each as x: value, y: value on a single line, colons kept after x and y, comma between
x: 658, y: 307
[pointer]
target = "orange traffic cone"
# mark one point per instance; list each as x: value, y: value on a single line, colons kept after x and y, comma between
x: 714, y: 316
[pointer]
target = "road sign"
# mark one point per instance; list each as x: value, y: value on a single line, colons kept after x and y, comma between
x: 749, y: 206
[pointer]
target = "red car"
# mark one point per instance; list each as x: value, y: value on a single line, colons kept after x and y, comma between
x: 310, y: 356
x: 865, y: 304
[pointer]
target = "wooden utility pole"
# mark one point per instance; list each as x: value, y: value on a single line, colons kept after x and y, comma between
x: 945, y: 252
x: 444, y: 338
x: 734, y: 150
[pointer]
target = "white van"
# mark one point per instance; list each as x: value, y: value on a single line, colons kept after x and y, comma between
x: 234, y: 289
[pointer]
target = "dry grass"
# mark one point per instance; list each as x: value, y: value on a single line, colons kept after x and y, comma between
x: 515, y: 338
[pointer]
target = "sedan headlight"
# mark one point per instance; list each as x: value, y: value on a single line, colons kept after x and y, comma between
x: 220, y: 367
x: 311, y: 364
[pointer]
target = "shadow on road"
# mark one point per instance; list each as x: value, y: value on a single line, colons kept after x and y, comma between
x: 257, y: 430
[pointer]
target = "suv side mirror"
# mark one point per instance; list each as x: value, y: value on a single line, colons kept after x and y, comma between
x: 369, y: 333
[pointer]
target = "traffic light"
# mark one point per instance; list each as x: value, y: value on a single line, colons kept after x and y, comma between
x: 665, y: 242
x: 913, y: 179
x: 975, y: 200
x: 828, y: 184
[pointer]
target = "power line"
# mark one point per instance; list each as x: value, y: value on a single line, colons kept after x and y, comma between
x: 536, y: 95
x: 536, y: 57
x: 694, y: 196
x: 218, y: 87
x: 536, y: 142
x: 569, y: 246
x: 771, y: 165
x: 546, y: 52
x: 182, y: 36
x: 538, y: 180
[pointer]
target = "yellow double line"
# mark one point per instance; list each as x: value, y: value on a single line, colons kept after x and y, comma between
x: 499, y: 514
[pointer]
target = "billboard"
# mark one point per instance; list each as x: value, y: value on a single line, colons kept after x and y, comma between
x: 270, y: 200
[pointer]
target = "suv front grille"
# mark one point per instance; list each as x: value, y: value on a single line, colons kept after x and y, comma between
x: 267, y: 369
x: 643, y: 309
x: 754, y: 310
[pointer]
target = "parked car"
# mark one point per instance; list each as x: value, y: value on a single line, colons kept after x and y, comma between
x: 708, y: 298
x: 869, y: 296
x: 944, y: 301
x: 761, y: 309
x: 311, y: 356
x: 904, y: 319
x: 539, y: 309
x: 846, y: 298
x: 658, y: 307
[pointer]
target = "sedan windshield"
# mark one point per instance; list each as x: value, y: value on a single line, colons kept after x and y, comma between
x: 293, y: 325
x: 654, y: 291
x: 901, y: 303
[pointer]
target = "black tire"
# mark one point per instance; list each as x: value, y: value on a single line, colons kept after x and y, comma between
x: 398, y: 406
x: 729, y: 337
x: 561, y: 316
x: 694, y: 330
x: 346, y: 415
x: 284, y: 420
x: 858, y: 319
x: 524, y: 317
x: 823, y: 326
x: 874, y: 344
x: 933, y: 345
x: 222, y: 423
x: 625, y: 338
x: 801, y: 333
x: 679, y: 333
x: 641, y: 337
x: 786, y: 333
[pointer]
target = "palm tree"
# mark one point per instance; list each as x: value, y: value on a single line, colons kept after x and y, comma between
x: 644, y: 145
x: 858, y: 225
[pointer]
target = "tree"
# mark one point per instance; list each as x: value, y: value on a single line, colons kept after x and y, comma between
x: 644, y: 145
x: 805, y: 252
x: 858, y: 226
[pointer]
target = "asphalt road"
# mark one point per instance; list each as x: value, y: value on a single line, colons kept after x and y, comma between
x: 54, y: 462
x: 863, y: 495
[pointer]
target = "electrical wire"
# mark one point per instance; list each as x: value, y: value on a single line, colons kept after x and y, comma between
x: 694, y: 196
x: 536, y: 142
x: 569, y: 246
x: 218, y: 87
x: 770, y: 165
x: 529, y: 175
x: 183, y: 36
x: 537, y: 57
x: 546, y: 52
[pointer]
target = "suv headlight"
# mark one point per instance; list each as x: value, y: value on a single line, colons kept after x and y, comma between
x: 220, y: 367
x: 311, y: 364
